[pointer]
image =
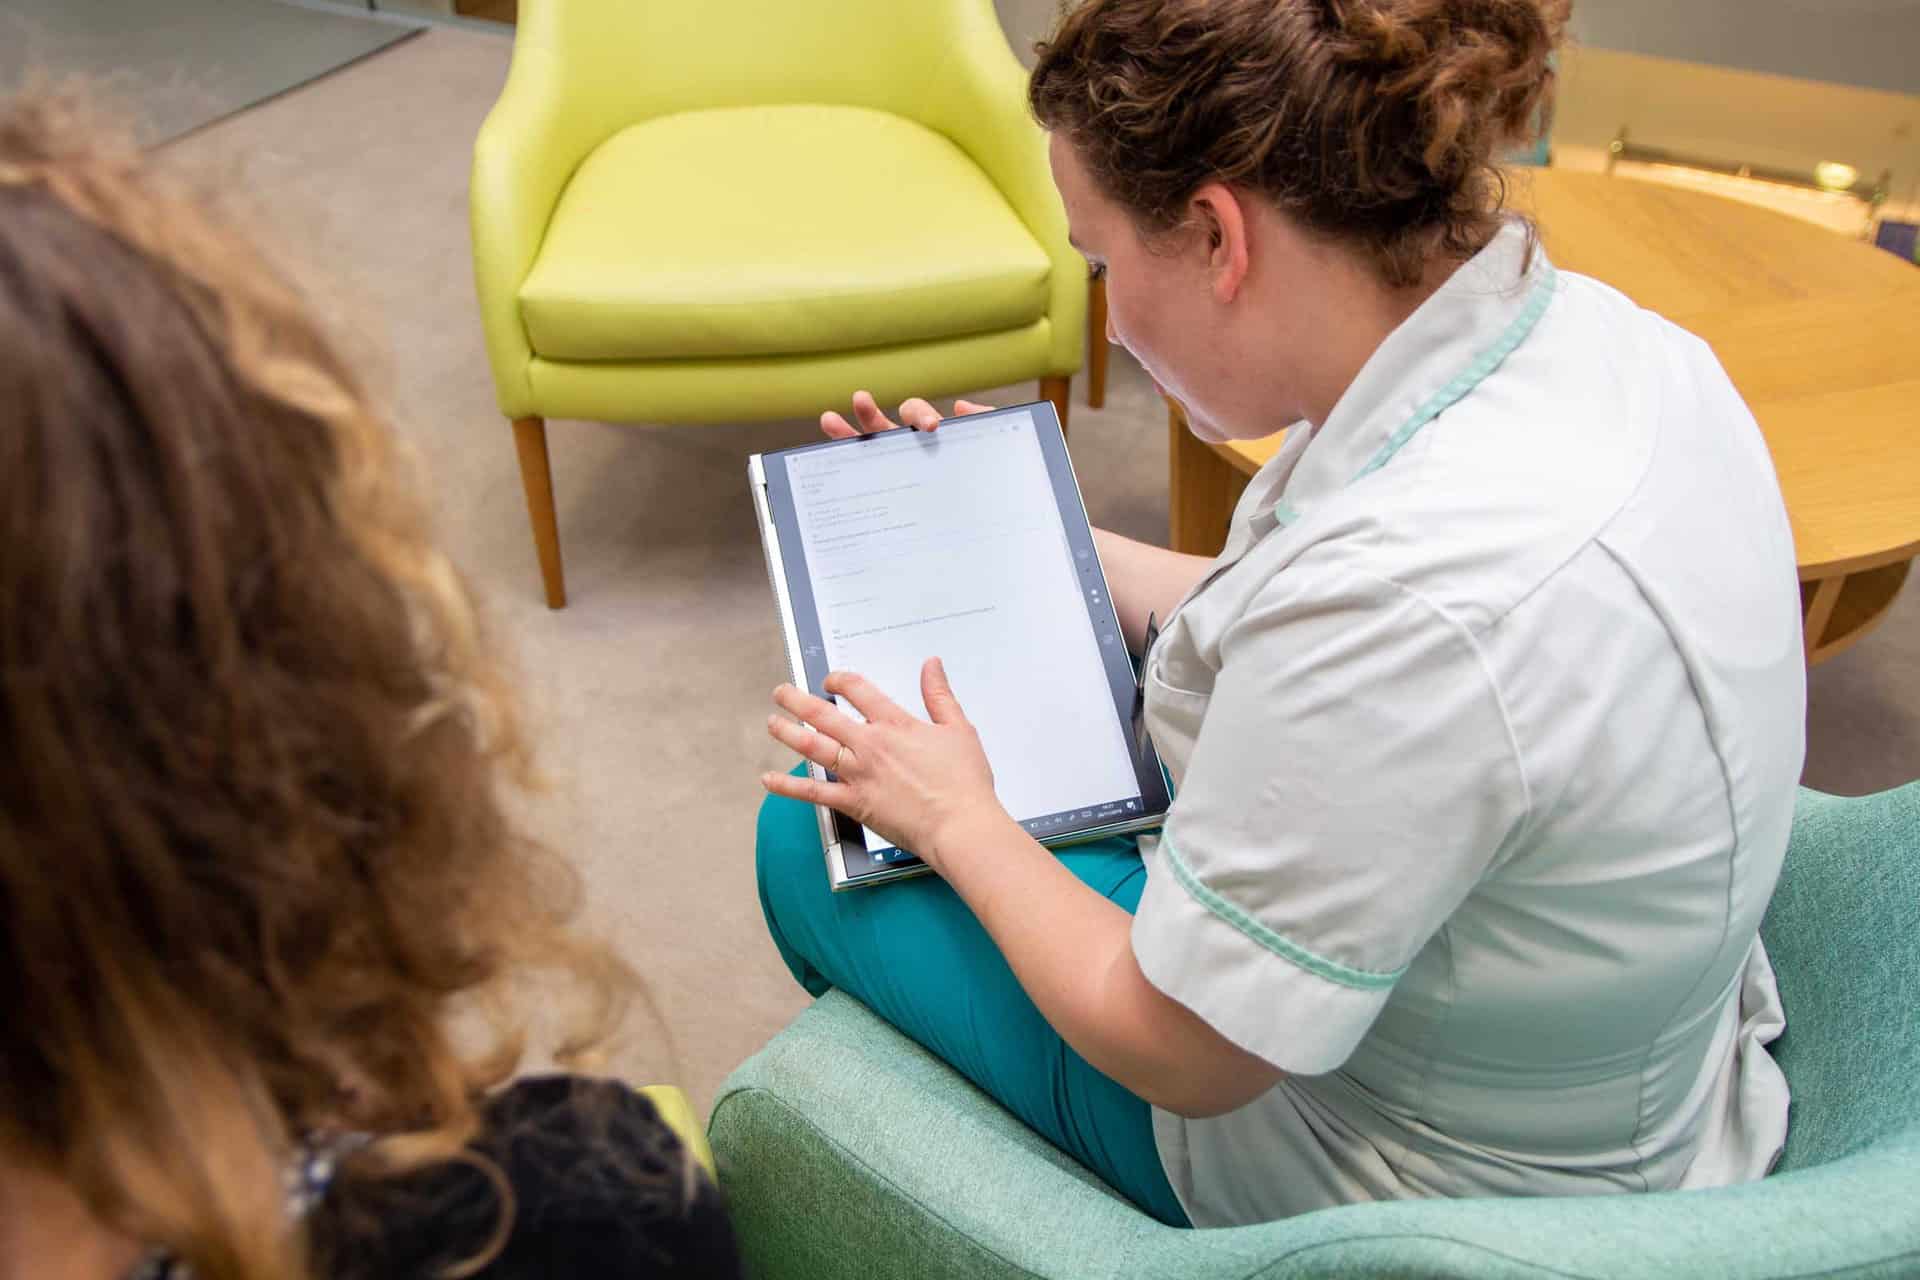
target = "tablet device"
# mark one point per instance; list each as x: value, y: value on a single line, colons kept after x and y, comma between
x: 969, y: 544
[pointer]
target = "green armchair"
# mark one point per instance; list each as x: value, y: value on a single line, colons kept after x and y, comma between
x: 846, y: 1150
x: 734, y: 210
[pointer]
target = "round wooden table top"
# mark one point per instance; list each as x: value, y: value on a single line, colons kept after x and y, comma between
x: 1820, y: 333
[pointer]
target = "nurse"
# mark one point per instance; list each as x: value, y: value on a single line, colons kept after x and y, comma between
x: 1485, y: 724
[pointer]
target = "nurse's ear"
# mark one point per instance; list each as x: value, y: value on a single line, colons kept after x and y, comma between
x: 1218, y: 221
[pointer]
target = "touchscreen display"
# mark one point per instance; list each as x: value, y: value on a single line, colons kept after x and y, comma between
x: 951, y: 544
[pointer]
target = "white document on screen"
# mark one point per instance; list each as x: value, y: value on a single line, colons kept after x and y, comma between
x: 949, y: 545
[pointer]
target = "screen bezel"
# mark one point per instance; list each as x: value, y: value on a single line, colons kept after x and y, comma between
x: 810, y: 653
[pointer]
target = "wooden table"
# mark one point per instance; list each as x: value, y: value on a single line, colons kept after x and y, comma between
x: 1820, y: 333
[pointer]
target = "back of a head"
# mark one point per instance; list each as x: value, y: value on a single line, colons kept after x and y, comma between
x: 252, y: 842
x: 1374, y: 122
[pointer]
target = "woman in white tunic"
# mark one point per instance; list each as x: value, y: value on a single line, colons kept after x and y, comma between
x: 1485, y: 725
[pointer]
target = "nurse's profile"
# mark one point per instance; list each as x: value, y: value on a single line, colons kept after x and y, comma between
x: 1484, y: 725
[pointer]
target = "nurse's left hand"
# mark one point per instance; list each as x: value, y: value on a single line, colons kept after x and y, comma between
x: 911, y: 780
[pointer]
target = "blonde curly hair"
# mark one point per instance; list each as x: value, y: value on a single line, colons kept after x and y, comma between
x: 256, y: 863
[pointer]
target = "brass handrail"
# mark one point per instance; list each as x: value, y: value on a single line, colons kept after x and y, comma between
x: 1873, y: 194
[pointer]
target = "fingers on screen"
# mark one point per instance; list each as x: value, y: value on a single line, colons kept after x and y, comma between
x: 819, y: 713
x: 802, y: 741
x: 937, y: 692
x: 919, y: 414
x: 866, y: 411
x: 865, y: 696
x: 836, y: 426
x: 835, y: 795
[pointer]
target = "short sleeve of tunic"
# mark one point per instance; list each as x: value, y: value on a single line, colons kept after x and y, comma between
x: 1352, y: 779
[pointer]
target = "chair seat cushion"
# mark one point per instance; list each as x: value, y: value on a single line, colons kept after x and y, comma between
x: 785, y: 230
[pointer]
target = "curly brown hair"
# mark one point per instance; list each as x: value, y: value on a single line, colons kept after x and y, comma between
x: 256, y: 864
x: 1375, y: 122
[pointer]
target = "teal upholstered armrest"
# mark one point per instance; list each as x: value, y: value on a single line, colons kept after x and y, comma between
x: 843, y: 1144
x: 846, y: 1150
x: 1843, y: 931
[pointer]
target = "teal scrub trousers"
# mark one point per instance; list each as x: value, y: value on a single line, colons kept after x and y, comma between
x: 912, y: 952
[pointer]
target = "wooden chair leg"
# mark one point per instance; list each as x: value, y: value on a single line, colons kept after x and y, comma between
x: 536, y: 477
x: 1060, y: 391
x: 1097, y: 346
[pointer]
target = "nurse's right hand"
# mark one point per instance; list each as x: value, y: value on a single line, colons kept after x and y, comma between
x: 867, y: 418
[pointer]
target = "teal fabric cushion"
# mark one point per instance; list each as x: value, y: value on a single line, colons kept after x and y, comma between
x: 846, y: 1150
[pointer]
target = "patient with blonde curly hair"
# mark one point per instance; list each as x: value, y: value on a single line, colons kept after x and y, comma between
x: 264, y: 911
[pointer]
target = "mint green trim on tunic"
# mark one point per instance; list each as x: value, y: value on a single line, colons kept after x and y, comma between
x: 1285, y: 513
x: 1474, y: 374
x: 1292, y: 952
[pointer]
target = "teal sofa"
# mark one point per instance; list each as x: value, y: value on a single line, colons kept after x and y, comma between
x: 846, y: 1150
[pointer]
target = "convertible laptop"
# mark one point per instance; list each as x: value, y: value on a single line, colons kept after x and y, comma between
x: 969, y: 544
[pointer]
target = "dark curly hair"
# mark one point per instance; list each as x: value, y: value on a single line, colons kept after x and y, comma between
x: 257, y: 854
x: 1376, y: 122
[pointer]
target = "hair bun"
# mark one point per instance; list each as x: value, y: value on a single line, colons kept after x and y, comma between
x: 1466, y: 64
x: 1376, y: 34
x: 1375, y: 121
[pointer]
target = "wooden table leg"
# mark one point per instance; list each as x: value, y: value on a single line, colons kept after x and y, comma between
x: 1838, y: 611
x: 1816, y: 608
x: 1203, y: 489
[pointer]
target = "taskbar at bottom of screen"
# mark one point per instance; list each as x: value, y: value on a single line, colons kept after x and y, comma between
x: 1068, y: 826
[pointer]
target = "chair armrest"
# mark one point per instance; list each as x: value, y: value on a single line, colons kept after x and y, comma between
x: 527, y: 150
x: 845, y: 1149
x: 1843, y: 932
x: 978, y: 98
x: 678, y: 1115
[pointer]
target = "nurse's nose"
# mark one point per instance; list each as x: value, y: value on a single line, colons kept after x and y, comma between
x: 1112, y: 335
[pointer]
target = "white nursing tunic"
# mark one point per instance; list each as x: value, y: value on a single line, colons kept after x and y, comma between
x: 1486, y: 727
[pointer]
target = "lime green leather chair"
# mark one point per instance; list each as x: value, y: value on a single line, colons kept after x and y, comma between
x: 727, y: 210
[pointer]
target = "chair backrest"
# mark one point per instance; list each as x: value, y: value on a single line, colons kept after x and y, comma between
x: 1843, y: 932
x: 637, y: 59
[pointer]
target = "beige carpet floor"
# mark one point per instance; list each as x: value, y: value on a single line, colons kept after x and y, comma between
x: 648, y: 693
